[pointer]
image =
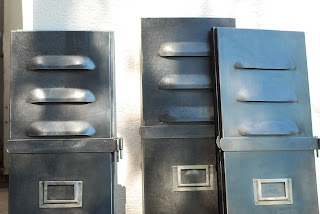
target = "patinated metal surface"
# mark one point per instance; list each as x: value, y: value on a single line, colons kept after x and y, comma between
x: 95, y: 170
x: 61, y: 61
x: 266, y: 127
x: 243, y: 167
x: 178, y: 127
x: 63, y: 146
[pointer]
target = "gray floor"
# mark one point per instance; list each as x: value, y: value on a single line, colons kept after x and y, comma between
x: 3, y: 201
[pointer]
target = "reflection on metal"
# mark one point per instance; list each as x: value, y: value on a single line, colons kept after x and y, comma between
x: 272, y: 127
x: 60, y: 95
x: 188, y: 114
x: 45, y: 202
x: 272, y: 191
x: 61, y: 128
x: 178, y: 126
x: 267, y: 61
x: 192, y: 173
x: 61, y: 62
x: 261, y: 137
x: 263, y: 49
x: 241, y: 144
x: 268, y: 93
x: 184, y: 49
x: 63, y: 143
x: 185, y: 82
x: 243, y: 167
x: 177, y: 131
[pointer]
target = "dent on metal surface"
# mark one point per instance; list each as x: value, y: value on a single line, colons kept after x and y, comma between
x: 185, y: 82
x: 60, y: 128
x: 271, y: 127
x: 176, y: 49
x: 61, y: 62
x: 60, y: 95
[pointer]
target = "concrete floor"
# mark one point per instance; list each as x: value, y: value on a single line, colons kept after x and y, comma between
x: 3, y: 200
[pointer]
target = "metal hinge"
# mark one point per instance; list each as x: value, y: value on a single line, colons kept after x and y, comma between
x: 119, y: 142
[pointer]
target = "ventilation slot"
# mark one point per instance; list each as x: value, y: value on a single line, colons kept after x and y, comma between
x: 271, y: 62
x: 176, y: 49
x: 60, y: 128
x: 63, y: 62
x: 60, y: 95
x: 188, y: 115
x: 185, y: 82
x: 276, y: 127
x: 271, y: 93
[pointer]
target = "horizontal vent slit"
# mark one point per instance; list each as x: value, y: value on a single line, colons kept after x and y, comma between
x: 270, y: 93
x: 185, y: 49
x: 185, y: 82
x: 60, y: 128
x: 61, y: 62
x: 188, y: 115
x: 275, y: 62
x: 60, y: 95
x: 267, y: 128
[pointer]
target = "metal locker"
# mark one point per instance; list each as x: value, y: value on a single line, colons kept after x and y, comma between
x: 63, y: 140
x: 265, y: 122
x: 178, y: 127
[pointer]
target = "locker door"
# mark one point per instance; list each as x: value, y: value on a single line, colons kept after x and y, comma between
x: 265, y: 128
x: 178, y: 130
x: 62, y: 123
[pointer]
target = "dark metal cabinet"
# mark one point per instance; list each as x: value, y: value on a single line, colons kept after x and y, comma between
x: 265, y: 129
x: 63, y: 141
x: 226, y: 120
x: 178, y: 132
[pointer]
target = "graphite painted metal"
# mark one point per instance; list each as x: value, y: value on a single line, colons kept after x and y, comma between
x: 266, y: 128
x: 63, y: 143
x: 94, y: 170
x: 178, y: 127
x: 61, y: 58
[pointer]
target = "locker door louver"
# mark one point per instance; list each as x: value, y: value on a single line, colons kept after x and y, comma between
x: 266, y: 132
x: 184, y: 49
x: 61, y: 62
x: 60, y: 95
x: 178, y: 127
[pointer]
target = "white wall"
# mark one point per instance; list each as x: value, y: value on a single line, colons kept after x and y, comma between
x: 123, y: 16
x: 12, y: 20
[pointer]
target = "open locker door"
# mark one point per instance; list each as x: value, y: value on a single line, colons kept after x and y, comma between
x: 265, y: 122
